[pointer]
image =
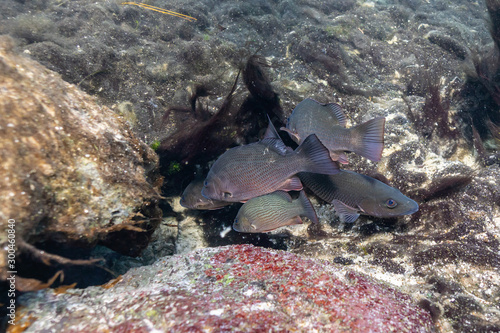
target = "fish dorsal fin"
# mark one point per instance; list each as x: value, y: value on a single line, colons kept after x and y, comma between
x: 283, y: 195
x: 291, y: 184
x: 271, y: 132
x: 337, y: 111
x: 276, y: 145
x: 272, y: 139
x: 346, y: 213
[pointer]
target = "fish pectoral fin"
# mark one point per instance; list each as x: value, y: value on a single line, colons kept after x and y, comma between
x: 339, y: 114
x: 339, y: 156
x: 295, y: 137
x: 346, y: 213
x: 294, y: 220
x: 284, y: 195
x: 291, y: 184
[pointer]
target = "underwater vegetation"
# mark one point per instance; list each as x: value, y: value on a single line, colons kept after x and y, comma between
x: 433, y: 119
x: 481, y: 95
x: 211, y: 134
x: 208, y: 134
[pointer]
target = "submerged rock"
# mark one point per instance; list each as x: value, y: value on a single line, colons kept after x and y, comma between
x: 242, y: 288
x: 73, y: 173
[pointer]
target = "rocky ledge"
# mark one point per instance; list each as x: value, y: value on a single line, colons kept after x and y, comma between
x: 237, y: 287
x: 73, y: 173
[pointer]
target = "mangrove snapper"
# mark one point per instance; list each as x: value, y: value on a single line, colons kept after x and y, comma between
x: 192, y: 198
x: 271, y: 211
x: 328, y: 122
x: 353, y: 194
x: 249, y: 171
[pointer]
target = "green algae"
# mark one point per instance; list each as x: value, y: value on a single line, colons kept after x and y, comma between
x: 173, y: 168
x: 155, y: 145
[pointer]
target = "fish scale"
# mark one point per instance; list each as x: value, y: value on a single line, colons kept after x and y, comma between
x: 328, y: 122
x: 259, y: 168
x: 328, y: 189
x: 360, y: 193
x: 271, y: 211
x: 245, y: 172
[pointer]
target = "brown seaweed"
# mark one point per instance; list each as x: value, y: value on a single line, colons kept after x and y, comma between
x: 481, y: 91
x: 434, y: 118
x: 442, y: 187
x: 200, y: 141
x: 257, y: 81
x: 203, y: 137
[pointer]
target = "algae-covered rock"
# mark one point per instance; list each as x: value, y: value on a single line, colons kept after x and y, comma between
x: 235, y: 288
x: 72, y: 171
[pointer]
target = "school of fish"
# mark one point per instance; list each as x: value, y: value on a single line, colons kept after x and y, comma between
x: 261, y: 174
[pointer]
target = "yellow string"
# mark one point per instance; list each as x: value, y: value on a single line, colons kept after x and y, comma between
x: 161, y: 10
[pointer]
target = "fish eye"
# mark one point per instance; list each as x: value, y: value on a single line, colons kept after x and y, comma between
x: 205, y: 183
x: 227, y: 194
x: 391, y: 203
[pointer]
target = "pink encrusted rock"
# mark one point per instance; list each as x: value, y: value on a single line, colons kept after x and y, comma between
x: 234, y: 288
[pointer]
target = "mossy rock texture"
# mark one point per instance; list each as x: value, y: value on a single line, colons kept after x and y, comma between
x: 237, y: 288
x: 72, y: 171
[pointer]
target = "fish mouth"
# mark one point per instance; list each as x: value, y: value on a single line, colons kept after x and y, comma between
x: 412, y: 207
x: 237, y: 227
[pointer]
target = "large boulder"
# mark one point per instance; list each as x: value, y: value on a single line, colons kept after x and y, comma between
x: 234, y: 288
x: 72, y: 171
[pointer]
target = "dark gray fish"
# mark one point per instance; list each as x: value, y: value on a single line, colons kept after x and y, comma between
x: 245, y: 172
x: 271, y: 211
x: 353, y: 194
x: 191, y: 198
x: 328, y: 122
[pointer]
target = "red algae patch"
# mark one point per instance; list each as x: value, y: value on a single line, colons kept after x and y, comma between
x: 338, y: 299
x: 238, y: 288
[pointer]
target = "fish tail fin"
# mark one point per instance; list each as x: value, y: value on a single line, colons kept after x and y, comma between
x: 308, y: 209
x: 316, y: 156
x: 372, y: 138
